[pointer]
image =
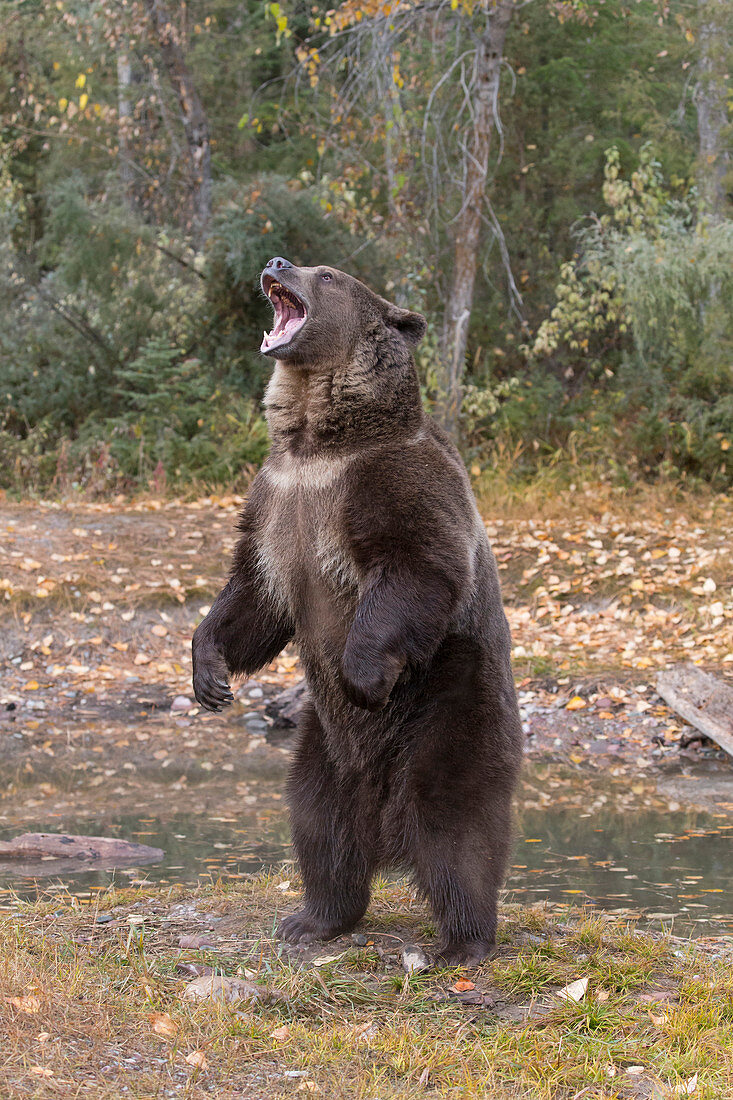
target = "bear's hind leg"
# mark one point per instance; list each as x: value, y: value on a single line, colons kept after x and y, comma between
x: 333, y: 840
x: 459, y: 846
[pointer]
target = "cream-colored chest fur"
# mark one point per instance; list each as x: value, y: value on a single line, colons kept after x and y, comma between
x: 301, y: 549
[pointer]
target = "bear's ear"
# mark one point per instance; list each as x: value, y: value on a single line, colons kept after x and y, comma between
x: 411, y: 326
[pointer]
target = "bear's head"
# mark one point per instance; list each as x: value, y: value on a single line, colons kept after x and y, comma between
x: 323, y: 315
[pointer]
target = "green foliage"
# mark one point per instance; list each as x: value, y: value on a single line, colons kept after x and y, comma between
x: 126, y: 355
x: 648, y: 303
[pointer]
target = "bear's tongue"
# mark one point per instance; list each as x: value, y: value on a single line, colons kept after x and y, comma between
x: 289, y: 318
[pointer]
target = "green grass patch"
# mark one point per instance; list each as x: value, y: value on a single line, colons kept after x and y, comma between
x: 104, y: 1006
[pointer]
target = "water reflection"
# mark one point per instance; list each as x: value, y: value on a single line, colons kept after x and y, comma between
x: 614, y: 846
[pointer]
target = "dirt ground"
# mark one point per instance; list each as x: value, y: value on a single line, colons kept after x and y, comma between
x: 99, y: 602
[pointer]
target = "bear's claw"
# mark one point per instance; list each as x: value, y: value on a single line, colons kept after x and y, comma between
x: 210, y: 683
x: 211, y: 692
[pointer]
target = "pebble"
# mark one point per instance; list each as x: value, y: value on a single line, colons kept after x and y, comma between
x: 414, y: 959
x: 359, y: 939
x: 181, y: 702
x: 103, y: 918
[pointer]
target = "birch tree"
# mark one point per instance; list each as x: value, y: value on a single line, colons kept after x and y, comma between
x: 715, y: 37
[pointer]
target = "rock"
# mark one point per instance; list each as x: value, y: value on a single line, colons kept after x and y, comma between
x: 181, y: 703
x: 359, y: 939
x: 103, y: 918
x: 193, y: 970
x: 285, y: 708
x: 194, y: 942
x: 414, y: 959
x: 472, y: 997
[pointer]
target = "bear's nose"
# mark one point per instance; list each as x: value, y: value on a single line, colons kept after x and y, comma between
x: 278, y: 263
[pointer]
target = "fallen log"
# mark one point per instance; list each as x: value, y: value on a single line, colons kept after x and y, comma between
x: 702, y: 700
x: 102, y: 851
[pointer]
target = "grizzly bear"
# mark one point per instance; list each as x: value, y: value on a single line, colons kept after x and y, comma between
x: 361, y: 541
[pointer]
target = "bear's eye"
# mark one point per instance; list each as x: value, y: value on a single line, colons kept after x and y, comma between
x: 326, y: 276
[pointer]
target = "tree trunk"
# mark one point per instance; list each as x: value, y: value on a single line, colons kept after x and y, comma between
x: 124, y: 117
x: 714, y: 35
x: 468, y: 225
x: 193, y: 117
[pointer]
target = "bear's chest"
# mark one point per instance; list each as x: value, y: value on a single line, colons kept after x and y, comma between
x: 303, y: 556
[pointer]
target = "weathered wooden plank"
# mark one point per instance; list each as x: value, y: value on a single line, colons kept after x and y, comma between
x: 702, y: 700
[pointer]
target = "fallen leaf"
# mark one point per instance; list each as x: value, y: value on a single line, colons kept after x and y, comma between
x: 163, y: 1024
x: 576, y: 703
x: 462, y: 986
x: 29, y: 1004
x: 575, y: 991
x: 41, y: 1071
x: 197, y: 1058
x: 323, y: 960
x: 686, y: 1088
x: 280, y: 1033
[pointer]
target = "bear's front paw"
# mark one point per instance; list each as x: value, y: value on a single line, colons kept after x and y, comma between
x: 368, y: 683
x: 210, y: 677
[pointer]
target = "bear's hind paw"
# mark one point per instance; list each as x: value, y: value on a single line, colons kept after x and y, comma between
x: 463, y: 953
x: 303, y: 928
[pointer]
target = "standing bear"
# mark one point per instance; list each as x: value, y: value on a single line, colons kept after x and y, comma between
x: 361, y: 542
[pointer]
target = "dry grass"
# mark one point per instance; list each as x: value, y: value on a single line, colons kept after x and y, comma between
x: 80, y: 1003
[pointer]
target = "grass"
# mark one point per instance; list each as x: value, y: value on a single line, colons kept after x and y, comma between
x: 97, y: 1009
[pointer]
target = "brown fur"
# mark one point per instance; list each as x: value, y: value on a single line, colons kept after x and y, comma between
x: 362, y: 542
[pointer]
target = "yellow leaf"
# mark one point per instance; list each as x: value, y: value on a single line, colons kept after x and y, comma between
x: 576, y: 703
x: 81, y: 80
x: 32, y: 685
x: 83, y: 100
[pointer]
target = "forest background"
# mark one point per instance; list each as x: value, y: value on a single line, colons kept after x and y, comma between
x: 549, y: 181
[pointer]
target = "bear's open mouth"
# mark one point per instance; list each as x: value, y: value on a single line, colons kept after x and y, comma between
x: 290, y: 315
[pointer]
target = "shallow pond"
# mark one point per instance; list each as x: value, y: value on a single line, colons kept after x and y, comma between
x: 618, y: 845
